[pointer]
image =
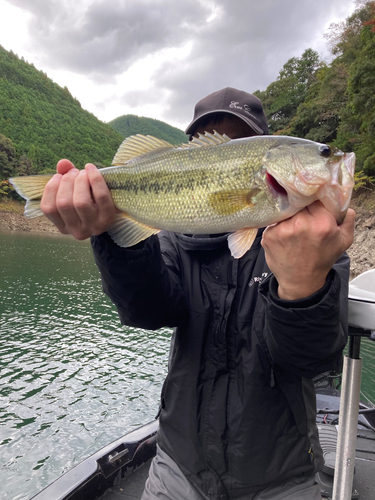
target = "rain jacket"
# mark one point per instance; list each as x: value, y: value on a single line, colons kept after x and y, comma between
x: 238, y: 404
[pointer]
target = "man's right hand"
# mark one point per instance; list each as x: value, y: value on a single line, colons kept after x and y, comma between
x: 78, y: 202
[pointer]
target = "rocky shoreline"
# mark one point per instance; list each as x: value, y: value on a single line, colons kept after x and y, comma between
x: 362, y: 252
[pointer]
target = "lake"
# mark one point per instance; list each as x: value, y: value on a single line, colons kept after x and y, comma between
x: 72, y: 379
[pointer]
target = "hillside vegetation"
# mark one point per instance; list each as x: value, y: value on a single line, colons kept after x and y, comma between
x: 131, y: 124
x: 42, y: 122
x: 331, y: 103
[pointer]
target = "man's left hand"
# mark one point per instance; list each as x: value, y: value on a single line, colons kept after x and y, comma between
x: 300, y: 251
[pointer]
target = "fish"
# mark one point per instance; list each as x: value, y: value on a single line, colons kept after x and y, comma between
x: 214, y: 185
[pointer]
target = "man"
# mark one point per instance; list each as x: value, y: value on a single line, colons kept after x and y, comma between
x: 237, y: 415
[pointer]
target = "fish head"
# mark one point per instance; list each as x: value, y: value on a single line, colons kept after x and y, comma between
x: 306, y: 171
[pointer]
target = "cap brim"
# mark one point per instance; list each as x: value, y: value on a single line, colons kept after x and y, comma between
x: 249, y: 122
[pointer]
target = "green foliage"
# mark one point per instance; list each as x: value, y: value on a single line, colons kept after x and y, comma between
x: 130, y: 125
x: 282, y: 97
x: 357, y: 129
x: 363, y: 181
x: 7, y: 157
x: 318, y: 117
x: 45, y: 123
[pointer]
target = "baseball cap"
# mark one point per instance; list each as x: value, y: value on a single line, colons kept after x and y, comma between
x: 236, y: 102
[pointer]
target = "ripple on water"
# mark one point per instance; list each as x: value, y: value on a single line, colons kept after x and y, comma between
x: 72, y: 379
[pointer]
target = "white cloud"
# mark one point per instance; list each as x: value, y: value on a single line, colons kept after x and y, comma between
x: 158, y: 57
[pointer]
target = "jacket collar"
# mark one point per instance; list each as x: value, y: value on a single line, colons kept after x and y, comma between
x: 205, y: 241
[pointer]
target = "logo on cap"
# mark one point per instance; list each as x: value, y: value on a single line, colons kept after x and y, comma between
x: 235, y: 104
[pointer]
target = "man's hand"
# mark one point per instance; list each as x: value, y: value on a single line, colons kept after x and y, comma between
x: 78, y: 202
x: 300, y: 251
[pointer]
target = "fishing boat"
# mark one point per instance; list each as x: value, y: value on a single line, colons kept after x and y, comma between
x: 346, y: 428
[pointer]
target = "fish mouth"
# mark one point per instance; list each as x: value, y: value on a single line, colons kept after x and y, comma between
x: 274, y: 186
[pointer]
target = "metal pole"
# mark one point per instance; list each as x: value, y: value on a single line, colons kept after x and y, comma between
x: 348, y: 422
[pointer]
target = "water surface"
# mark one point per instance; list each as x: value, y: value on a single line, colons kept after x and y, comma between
x: 72, y: 379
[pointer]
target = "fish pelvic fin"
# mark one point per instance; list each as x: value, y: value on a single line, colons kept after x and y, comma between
x: 139, y: 145
x: 31, y: 188
x: 230, y: 202
x: 127, y: 232
x: 241, y: 241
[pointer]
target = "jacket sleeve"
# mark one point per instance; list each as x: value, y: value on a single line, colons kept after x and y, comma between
x: 146, y: 292
x: 307, y: 336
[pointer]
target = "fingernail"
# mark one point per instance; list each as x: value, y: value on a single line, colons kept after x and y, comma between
x: 90, y: 167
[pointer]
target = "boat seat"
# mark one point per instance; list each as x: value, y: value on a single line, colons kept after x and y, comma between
x: 362, y: 301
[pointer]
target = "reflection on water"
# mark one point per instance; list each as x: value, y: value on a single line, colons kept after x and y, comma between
x: 72, y: 379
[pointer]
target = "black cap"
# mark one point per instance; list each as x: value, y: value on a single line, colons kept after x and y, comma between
x: 236, y: 102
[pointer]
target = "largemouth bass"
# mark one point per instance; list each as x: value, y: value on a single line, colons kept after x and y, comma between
x: 215, y: 185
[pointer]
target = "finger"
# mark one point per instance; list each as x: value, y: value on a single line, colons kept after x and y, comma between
x: 64, y: 200
x: 347, y: 228
x: 82, y: 200
x: 100, y: 191
x: 318, y: 210
x: 63, y: 166
x: 48, y: 203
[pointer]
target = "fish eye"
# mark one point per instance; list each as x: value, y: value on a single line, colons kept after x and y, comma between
x: 325, y: 151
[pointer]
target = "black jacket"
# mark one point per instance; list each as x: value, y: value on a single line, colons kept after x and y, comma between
x: 238, y: 404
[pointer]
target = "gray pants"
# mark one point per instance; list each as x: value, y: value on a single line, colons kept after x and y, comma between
x: 167, y: 482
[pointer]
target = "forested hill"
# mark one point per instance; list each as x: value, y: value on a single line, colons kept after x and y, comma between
x: 44, y: 123
x: 41, y: 122
x: 131, y: 124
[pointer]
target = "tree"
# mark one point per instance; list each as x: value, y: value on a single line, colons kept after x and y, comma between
x: 8, y: 157
x: 357, y: 128
x: 282, y: 97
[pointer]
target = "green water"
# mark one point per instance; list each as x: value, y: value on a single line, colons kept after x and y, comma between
x: 72, y: 379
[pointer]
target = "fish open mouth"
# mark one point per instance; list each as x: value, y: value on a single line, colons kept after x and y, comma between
x: 274, y: 186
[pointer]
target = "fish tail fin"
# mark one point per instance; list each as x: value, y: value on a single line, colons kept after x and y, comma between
x: 31, y: 188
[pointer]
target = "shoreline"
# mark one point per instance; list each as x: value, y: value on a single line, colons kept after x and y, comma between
x: 361, y: 253
x: 14, y: 221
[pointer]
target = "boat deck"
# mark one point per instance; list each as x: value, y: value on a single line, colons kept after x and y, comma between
x: 131, y: 487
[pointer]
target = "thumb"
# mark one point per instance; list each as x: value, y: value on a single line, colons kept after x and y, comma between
x: 347, y: 227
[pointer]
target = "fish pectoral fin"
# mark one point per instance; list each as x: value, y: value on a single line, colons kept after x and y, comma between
x: 241, y: 241
x: 138, y: 145
x: 31, y: 188
x: 127, y: 232
x: 230, y: 202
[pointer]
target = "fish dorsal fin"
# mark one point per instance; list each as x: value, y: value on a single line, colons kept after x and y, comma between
x: 207, y: 139
x: 138, y: 145
x: 127, y: 232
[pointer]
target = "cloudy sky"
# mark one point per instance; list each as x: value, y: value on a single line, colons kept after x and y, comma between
x: 156, y: 58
